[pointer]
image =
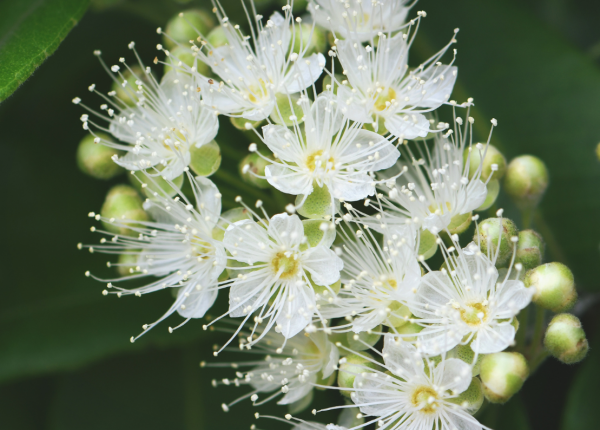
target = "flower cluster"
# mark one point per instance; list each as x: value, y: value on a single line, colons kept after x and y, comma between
x: 377, y: 280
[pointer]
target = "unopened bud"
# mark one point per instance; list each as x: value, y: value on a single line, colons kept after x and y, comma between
x: 187, y: 26
x: 427, y: 245
x: 526, y: 181
x: 205, y: 160
x: 186, y: 56
x: 530, y: 249
x: 287, y: 112
x: 128, y: 263
x: 503, y: 375
x: 472, y: 398
x: 124, y: 204
x: 251, y: 166
x: 318, y: 204
x: 565, y: 339
x: 244, y: 124
x: 318, y: 230
x: 494, y: 163
x: 217, y: 37
x: 466, y: 354
x: 460, y: 223
x: 95, y: 159
x: 554, y: 286
x: 308, y: 40
x: 352, y: 366
x: 493, y: 189
x: 407, y: 329
x: 398, y: 314
x: 365, y: 339
x: 494, y: 231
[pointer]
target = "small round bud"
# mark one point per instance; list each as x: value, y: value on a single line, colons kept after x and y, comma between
x: 95, y: 159
x: 530, y: 249
x: 315, y: 230
x: 526, y: 181
x: 494, y: 230
x: 252, y: 165
x: 217, y: 37
x: 122, y: 203
x: 493, y: 189
x: 427, y: 244
x: 554, y: 286
x: 398, y: 314
x: 287, y: 112
x: 206, y: 159
x: 466, y: 354
x: 318, y: 204
x: 186, y: 56
x: 494, y: 163
x: 409, y: 328
x: 245, y: 124
x: 503, y: 375
x: 472, y: 398
x: 460, y: 223
x: 350, y: 367
x: 363, y: 340
x: 308, y: 40
x: 187, y: 26
x: 127, y: 264
x: 565, y: 339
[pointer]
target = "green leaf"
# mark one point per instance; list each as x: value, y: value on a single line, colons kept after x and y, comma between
x: 30, y: 31
x: 546, y: 97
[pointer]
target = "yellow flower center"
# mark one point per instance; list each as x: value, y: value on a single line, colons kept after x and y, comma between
x: 311, y: 160
x: 257, y: 91
x: 176, y: 137
x: 384, y: 99
x: 439, y: 209
x: 200, y: 248
x: 474, y: 313
x: 288, y: 265
x: 425, y: 398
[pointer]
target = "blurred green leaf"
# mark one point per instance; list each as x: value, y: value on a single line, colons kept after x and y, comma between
x: 30, y: 31
x: 546, y: 96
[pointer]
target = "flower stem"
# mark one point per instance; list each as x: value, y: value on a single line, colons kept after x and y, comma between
x: 549, y: 237
x: 521, y: 336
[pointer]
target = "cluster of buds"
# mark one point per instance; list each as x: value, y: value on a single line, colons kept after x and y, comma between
x: 341, y: 289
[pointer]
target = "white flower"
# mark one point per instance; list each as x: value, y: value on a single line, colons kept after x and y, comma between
x: 381, y: 85
x: 432, y: 191
x: 291, y: 370
x: 360, y: 20
x: 252, y: 75
x: 277, y: 285
x: 406, y: 394
x: 332, y: 152
x: 177, y: 250
x: 470, y: 303
x: 379, y: 279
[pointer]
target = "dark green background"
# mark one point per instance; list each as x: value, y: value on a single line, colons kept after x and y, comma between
x: 65, y: 359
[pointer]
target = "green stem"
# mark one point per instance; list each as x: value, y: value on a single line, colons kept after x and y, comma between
x: 549, y: 237
x: 538, y: 332
x: 536, y: 361
x: 522, y: 333
x: 526, y: 217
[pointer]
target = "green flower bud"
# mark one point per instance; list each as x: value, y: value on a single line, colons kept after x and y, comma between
x: 493, y: 189
x: 363, y: 340
x: 472, y: 398
x: 314, y: 230
x: 398, y: 315
x: 530, y: 249
x: 128, y: 264
x: 245, y: 124
x: 409, y: 328
x: 287, y: 110
x: 466, y: 354
x: 351, y: 366
x: 155, y: 184
x: 503, y: 375
x: 325, y: 292
x: 318, y: 204
x: 205, y: 160
x: 95, y: 159
x: 526, y: 181
x: 227, y: 218
x: 122, y: 203
x: 494, y: 163
x: 313, y: 41
x: 565, y: 339
x: 489, y: 233
x: 253, y: 164
x: 127, y: 91
x: 460, y: 223
x: 428, y: 244
x: 185, y: 27
x: 186, y: 56
x: 217, y: 37
x: 554, y: 286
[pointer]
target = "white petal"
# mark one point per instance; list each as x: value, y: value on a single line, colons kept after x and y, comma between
x: 296, y: 311
x: 401, y: 358
x: 453, y: 374
x: 323, y: 265
x: 303, y: 73
x: 197, y: 302
x: 207, y: 200
x: 243, y: 240
x: 287, y: 180
x: 493, y: 339
x: 286, y: 229
x: 283, y: 142
x: 407, y: 126
x: 353, y: 105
